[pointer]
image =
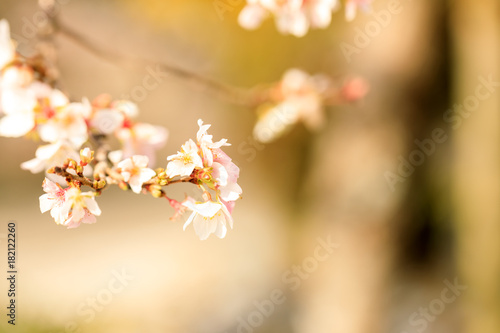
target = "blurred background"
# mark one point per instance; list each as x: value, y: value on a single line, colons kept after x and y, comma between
x: 398, y: 249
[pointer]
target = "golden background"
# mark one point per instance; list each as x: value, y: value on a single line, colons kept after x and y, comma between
x: 395, y: 248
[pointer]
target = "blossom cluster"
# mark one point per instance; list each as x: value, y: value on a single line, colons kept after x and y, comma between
x: 300, y: 97
x: 295, y: 17
x: 75, y: 149
x: 214, y: 171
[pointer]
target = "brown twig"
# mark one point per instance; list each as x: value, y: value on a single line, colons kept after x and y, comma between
x: 235, y: 95
x: 69, y: 176
x: 112, y: 174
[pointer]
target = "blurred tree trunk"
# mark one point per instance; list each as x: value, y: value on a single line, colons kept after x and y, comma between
x: 350, y: 198
x: 476, y: 37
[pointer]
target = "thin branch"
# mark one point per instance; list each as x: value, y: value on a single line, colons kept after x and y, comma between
x: 182, y: 180
x: 112, y: 174
x: 226, y: 92
x: 83, y: 180
x: 239, y: 96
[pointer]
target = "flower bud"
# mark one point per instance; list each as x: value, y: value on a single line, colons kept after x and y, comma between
x: 156, y: 191
x: 71, y: 164
x: 86, y: 156
x: 355, y: 89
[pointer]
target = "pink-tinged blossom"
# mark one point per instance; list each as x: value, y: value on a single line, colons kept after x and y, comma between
x: 206, y: 144
x: 69, y: 206
x: 219, y: 174
x: 142, y: 139
x: 185, y: 161
x: 53, y: 199
x: 298, y: 97
x: 224, y: 172
x: 229, y: 205
x: 135, y: 171
x: 230, y: 192
x: 208, y: 218
x: 67, y: 123
x: 78, y: 207
x: 23, y: 105
x: 227, y: 185
x: 293, y: 17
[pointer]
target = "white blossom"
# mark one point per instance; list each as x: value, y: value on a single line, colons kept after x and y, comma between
x: 16, y: 77
x: 226, y: 174
x: 68, y: 123
x: 70, y: 206
x: 135, y: 171
x: 293, y: 17
x: 208, y: 218
x: 78, y: 207
x: 7, y: 46
x: 185, y: 161
x: 52, y: 200
x: 18, y: 105
x: 298, y: 97
x: 142, y: 139
x: 206, y: 144
x: 50, y: 155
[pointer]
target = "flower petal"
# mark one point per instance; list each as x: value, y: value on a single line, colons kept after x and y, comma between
x: 16, y: 125
x: 46, y: 203
x: 140, y: 160
x: 251, y: 16
x: 221, y: 229
x: 92, y: 205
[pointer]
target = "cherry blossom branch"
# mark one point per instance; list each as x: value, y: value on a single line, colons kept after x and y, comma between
x: 235, y: 95
x: 249, y: 97
x: 99, y: 185
x: 37, y: 109
x: 334, y: 93
x: 60, y: 171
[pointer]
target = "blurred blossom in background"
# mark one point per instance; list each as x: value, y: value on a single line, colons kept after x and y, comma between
x: 370, y: 168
